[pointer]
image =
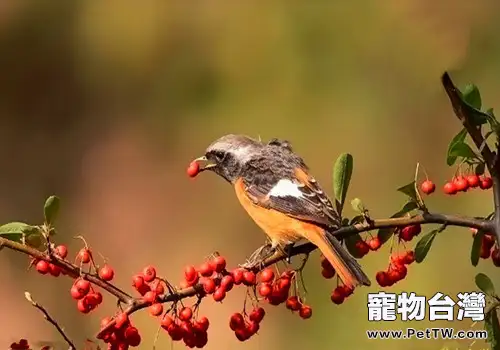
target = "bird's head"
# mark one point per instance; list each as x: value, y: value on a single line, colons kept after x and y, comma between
x: 228, y: 155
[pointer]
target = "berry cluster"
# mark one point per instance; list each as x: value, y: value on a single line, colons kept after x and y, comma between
x: 186, y: 328
x: 488, y: 247
x: 397, y: 270
x: 88, y: 298
x: 459, y: 184
x: 20, y: 345
x: 341, y: 292
x: 245, y: 326
x: 123, y: 335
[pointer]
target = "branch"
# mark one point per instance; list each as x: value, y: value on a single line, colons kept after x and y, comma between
x: 465, y: 114
x: 135, y: 304
x: 47, y: 316
x: 70, y: 269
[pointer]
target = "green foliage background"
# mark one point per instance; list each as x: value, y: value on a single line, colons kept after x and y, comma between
x: 105, y: 104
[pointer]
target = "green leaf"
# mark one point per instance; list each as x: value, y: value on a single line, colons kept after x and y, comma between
x: 493, y: 328
x: 484, y: 283
x: 472, y: 96
x: 463, y: 150
x: 15, y: 231
x: 342, y: 172
x: 479, y: 169
x: 51, y: 209
x: 476, y: 248
x: 409, y: 190
x: 357, y: 220
x: 350, y: 244
x: 423, y: 246
x: 358, y: 205
x: 458, y: 138
x: 385, y: 233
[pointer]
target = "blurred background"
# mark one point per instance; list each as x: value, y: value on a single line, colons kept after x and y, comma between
x: 104, y: 103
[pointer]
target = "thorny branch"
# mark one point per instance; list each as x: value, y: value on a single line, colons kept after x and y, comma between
x: 135, y: 304
x: 47, y: 316
x: 466, y: 114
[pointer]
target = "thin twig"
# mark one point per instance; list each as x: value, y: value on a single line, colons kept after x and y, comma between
x: 47, y: 316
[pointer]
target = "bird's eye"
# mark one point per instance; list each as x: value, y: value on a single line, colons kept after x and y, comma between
x: 219, y: 156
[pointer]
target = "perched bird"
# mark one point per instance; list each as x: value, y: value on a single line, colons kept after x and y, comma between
x: 274, y: 186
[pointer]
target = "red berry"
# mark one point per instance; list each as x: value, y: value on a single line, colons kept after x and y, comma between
x: 83, y: 306
x: 236, y: 321
x: 473, y: 181
x: 206, y: 269
x: 76, y: 293
x: 54, y: 270
x: 486, y: 183
x: 149, y: 273
x: 156, y: 309
x: 265, y: 289
x: 186, y: 314
x: 428, y: 187
x: 220, y: 264
x: 338, y: 295
x: 374, y: 243
x: 190, y: 273
x: 208, y: 285
x: 242, y: 334
x: 305, y: 312
x: 193, y: 169
x: 82, y: 285
x: 137, y: 281
x: 61, y: 251
x: 284, y: 284
x: 143, y: 289
x: 237, y: 276
x: 253, y: 327
x: 362, y: 247
x: 382, y: 278
x: 450, y: 188
x: 495, y: 257
x: 106, y: 273
x: 175, y: 332
x: 257, y: 315
x: 219, y: 294
x: 461, y: 183
x: 293, y: 303
x: 203, y: 323
x: 325, y: 264
x: 327, y: 273
x: 347, y: 290
x: 132, y: 336
x: 227, y: 282
x: 249, y: 278
x: 94, y: 298
x: 409, y: 257
x: 485, y: 251
x: 267, y: 275
x: 149, y: 297
x: 166, y: 321
x: 42, y: 267
x: 84, y: 255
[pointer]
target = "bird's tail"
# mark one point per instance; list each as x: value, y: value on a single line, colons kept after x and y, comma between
x: 347, y: 267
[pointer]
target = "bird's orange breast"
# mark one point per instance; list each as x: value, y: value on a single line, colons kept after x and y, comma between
x: 278, y: 226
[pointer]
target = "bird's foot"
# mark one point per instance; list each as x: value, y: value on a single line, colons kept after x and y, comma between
x: 258, y: 257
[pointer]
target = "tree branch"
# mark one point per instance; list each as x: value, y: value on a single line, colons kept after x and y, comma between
x: 135, y: 304
x: 465, y: 114
x: 47, y: 316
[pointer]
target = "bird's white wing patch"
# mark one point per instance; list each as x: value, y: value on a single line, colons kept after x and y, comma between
x: 286, y: 188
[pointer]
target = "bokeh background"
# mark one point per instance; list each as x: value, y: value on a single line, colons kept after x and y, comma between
x: 105, y: 103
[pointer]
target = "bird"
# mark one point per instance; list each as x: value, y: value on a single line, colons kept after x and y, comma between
x: 274, y: 186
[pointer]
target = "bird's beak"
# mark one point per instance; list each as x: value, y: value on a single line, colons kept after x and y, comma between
x: 205, y: 163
